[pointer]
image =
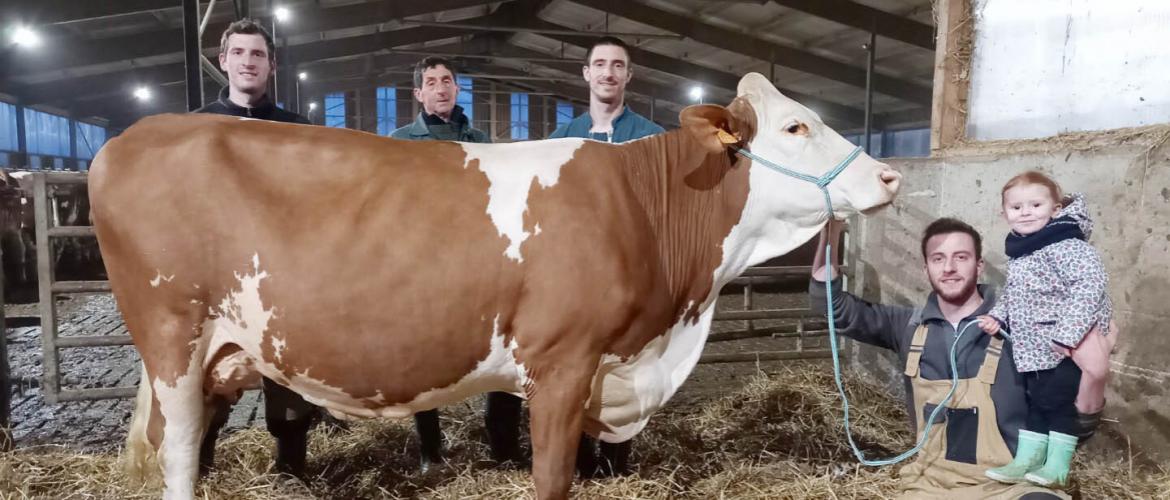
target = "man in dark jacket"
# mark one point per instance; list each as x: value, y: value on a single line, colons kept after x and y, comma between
x: 980, y: 430
x: 436, y: 88
x: 248, y: 56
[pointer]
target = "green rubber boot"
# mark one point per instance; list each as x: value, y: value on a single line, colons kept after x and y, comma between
x: 1029, y: 456
x: 1061, y: 448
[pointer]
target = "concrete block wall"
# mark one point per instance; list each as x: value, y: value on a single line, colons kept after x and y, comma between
x: 1126, y: 177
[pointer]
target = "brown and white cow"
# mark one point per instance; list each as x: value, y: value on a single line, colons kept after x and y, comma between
x: 379, y: 277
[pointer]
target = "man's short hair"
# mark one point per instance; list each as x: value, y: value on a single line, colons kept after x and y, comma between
x: 247, y: 27
x: 428, y: 63
x: 948, y: 225
x: 607, y: 40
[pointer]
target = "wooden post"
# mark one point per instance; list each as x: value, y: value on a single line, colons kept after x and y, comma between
x: 48, y: 308
x: 5, y: 375
x: 952, y: 73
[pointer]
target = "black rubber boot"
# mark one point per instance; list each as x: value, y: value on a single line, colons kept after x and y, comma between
x: 289, y: 418
x: 221, y: 409
x: 587, y: 457
x: 502, y: 422
x: 430, y: 439
x: 615, y: 459
x: 292, y: 444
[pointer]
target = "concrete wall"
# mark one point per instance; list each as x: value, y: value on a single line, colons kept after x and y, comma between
x: 1126, y: 176
x: 1041, y: 67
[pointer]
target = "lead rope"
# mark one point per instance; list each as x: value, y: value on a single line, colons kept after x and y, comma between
x: 822, y: 183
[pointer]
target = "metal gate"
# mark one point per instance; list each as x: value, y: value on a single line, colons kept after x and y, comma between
x: 44, y: 192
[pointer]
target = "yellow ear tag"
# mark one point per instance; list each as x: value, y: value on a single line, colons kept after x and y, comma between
x: 727, y: 138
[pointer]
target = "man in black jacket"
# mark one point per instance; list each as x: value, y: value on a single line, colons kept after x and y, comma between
x: 248, y: 56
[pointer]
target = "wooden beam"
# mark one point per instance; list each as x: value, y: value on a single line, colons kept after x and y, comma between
x: 867, y: 18
x: 61, y: 92
x: 44, y: 12
x: 952, y: 73
x: 761, y: 49
x: 306, y: 52
x: 66, y: 52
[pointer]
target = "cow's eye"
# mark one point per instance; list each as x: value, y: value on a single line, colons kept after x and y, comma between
x: 797, y: 128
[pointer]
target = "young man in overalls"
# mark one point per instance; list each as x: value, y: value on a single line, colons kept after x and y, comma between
x: 980, y: 425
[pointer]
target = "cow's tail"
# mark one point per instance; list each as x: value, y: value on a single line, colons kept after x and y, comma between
x: 140, y: 458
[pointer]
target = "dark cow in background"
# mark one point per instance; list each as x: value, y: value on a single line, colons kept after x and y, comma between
x: 73, y: 258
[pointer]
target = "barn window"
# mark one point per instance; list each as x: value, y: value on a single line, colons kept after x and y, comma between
x: 335, y: 110
x: 89, y: 140
x: 519, y: 115
x: 46, y: 134
x: 464, y: 99
x: 564, y: 112
x: 387, y: 110
x: 8, y: 139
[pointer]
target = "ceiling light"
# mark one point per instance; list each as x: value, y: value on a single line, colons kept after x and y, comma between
x: 26, y: 37
x: 142, y: 94
x: 282, y: 14
x: 697, y: 93
x: 312, y: 106
x: 303, y: 76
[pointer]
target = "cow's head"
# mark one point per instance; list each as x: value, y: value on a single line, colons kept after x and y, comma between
x: 783, y: 131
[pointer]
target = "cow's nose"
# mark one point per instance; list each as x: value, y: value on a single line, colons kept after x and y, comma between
x: 890, y: 179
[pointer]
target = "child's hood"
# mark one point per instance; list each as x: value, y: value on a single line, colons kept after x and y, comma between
x: 1076, y: 207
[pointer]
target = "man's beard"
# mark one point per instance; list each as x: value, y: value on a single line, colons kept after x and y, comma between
x: 959, y: 296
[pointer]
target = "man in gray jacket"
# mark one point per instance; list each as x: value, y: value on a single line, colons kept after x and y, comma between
x: 977, y: 430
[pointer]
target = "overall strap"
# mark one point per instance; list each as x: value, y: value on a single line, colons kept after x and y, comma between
x: 916, y: 346
x: 991, y: 361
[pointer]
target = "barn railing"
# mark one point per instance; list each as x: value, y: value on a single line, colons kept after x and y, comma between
x: 808, y: 324
x: 46, y: 234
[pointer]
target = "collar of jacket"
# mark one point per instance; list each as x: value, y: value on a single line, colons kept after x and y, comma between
x: 931, y: 310
x: 458, y: 122
x: 584, y: 123
x: 262, y: 109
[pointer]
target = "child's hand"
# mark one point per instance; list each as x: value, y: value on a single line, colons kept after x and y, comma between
x: 988, y: 324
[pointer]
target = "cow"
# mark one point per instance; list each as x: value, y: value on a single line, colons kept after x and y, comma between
x: 379, y: 278
x: 16, y: 235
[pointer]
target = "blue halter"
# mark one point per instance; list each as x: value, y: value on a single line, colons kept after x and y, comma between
x: 822, y: 183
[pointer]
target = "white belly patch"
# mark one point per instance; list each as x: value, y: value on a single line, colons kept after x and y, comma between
x: 626, y: 394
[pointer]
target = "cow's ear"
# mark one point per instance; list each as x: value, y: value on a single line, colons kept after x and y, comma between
x: 716, y: 127
x: 708, y: 124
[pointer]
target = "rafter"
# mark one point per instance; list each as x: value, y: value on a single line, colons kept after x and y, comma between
x: 78, y: 51
x: 761, y: 49
x: 43, y: 12
x: 867, y: 18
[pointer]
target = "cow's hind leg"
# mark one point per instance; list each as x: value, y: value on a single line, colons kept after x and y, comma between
x: 140, y: 457
x: 173, y: 351
x: 557, y: 409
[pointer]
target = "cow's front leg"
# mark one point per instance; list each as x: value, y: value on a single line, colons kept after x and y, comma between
x: 557, y: 409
